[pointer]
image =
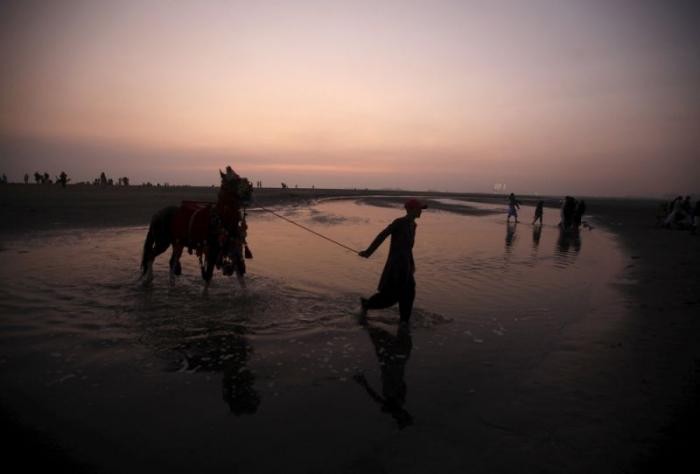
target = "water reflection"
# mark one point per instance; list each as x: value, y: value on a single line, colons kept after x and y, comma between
x: 510, y: 235
x: 536, y: 234
x: 229, y: 354
x: 568, y: 246
x: 393, y: 353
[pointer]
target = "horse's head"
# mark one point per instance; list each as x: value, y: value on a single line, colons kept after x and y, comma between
x: 235, y: 187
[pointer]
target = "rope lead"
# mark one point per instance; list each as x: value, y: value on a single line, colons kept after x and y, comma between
x: 309, y: 230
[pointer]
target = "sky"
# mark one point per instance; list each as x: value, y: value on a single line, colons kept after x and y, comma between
x: 583, y: 97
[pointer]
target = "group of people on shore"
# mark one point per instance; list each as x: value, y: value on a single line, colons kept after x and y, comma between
x: 680, y: 214
x: 572, y: 211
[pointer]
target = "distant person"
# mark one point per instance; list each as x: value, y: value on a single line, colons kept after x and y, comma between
x: 579, y: 212
x: 676, y: 214
x: 513, y: 205
x: 687, y: 206
x: 63, y: 179
x: 567, y: 213
x: 397, y: 283
x: 538, y: 212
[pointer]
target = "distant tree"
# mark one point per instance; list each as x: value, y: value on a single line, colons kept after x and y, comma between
x: 125, y: 181
x: 37, y: 177
x: 46, y: 179
x: 284, y: 185
x: 103, y: 179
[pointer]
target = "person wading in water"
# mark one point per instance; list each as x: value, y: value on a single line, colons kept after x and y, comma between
x: 397, y: 283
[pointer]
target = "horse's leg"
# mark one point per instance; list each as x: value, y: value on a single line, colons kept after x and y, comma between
x: 211, y: 255
x: 240, y: 267
x: 157, y: 241
x: 241, y: 280
x: 175, y: 267
x: 159, y: 248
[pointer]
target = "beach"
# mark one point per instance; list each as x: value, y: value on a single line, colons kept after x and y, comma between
x: 602, y: 398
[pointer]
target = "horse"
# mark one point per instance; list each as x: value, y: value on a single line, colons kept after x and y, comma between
x: 216, y: 232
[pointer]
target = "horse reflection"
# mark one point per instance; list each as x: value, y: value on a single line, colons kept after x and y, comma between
x: 228, y: 354
x: 392, y: 352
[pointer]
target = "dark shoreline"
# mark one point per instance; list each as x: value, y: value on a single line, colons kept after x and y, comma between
x: 29, y: 208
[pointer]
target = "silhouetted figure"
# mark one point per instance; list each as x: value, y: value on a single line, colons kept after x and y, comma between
x: 26, y: 178
x: 676, y: 213
x: 539, y: 209
x: 513, y: 206
x: 579, y: 212
x: 46, y: 179
x: 3, y: 179
x: 63, y: 179
x: 687, y: 206
x: 103, y: 179
x: 397, y: 283
x: 392, y: 352
x: 567, y: 213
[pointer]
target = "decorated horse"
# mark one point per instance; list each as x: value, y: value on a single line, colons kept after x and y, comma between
x: 215, y: 232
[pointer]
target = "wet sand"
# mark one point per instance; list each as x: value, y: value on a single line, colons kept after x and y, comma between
x: 635, y: 387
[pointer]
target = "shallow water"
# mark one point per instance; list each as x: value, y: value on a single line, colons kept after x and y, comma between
x: 166, y: 377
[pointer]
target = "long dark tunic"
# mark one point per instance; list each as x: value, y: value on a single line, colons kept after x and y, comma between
x: 399, y: 267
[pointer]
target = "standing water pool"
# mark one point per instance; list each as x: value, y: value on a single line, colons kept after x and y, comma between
x: 280, y: 375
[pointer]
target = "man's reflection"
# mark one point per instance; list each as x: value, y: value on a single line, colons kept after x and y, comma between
x: 228, y: 354
x: 393, y: 353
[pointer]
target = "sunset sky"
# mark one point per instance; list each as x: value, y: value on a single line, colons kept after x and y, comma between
x: 594, y: 97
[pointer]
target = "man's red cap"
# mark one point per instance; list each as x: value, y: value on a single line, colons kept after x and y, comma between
x: 415, y: 204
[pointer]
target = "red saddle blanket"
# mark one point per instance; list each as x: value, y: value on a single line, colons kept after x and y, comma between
x: 190, y: 226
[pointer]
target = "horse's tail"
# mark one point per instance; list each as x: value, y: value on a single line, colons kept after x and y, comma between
x: 147, y: 249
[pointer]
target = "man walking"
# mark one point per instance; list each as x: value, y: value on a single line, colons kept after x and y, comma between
x: 397, y: 283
